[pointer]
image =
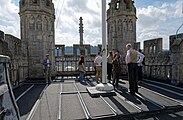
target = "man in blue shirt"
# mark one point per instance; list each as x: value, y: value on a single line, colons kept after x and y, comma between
x: 47, y: 68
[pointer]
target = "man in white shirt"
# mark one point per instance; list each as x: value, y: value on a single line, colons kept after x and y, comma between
x: 131, y: 61
x: 98, y: 67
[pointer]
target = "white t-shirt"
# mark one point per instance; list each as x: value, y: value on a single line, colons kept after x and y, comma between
x: 48, y: 62
x: 98, y: 60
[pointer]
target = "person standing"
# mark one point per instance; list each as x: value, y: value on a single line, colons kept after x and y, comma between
x: 116, y: 69
x: 109, y: 65
x: 82, y: 69
x: 47, y: 68
x: 131, y: 61
x: 98, y: 66
x: 140, y: 66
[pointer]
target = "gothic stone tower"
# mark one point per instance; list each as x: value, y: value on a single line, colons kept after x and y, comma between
x: 37, y: 19
x: 121, y: 25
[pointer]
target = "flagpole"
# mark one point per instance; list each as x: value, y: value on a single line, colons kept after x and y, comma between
x: 104, y: 86
x: 104, y: 46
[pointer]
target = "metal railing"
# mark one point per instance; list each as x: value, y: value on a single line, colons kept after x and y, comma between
x: 67, y: 65
x: 163, y: 72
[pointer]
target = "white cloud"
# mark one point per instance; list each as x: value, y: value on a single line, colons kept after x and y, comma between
x: 159, y: 21
x: 9, y: 18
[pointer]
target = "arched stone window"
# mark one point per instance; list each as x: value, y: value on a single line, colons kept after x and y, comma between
x: 150, y: 49
x: 154, y: 48
x: 130, y: 25
x: 39, y: 23
x: 50, y: 27
x: 120, y: 26
x: 47, y: 3
x: 117, y: 5
x: 108, y: 28
x: 34, y: 1
x: 125, y: 27
x: 32, y: 22
x: 46, y: 23
x: 127, y: 2
x: 23, y: 2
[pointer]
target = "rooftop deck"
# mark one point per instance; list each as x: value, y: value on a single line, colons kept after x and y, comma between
x: 68, y: 99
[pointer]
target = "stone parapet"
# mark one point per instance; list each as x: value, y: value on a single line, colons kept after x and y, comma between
x: 176, y: 47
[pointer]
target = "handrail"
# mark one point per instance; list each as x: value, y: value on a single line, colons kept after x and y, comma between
x: 2, y: 113
x: 178, y: 30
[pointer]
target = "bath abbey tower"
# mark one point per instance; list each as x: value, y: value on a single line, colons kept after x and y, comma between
x: 37, y: 19
x: 121, y: 23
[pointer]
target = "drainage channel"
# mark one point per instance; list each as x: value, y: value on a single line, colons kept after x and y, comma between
x: 88, y: 108
x: 107, y: 105
x: 71, y: 99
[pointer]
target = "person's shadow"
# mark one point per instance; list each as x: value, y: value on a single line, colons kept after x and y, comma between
x: 129, y: 97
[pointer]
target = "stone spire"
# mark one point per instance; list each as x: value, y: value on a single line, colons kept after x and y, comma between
x: 81, y: 30
x: 82, y: 51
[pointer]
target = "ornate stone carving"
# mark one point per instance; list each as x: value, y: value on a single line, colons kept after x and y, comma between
x: 32, y: 22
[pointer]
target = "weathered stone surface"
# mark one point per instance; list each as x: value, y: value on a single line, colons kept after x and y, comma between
x: 121, y: 29
x: 176, y: 43
x: 37, y: 33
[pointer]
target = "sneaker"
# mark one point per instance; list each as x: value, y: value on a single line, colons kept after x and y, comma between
x: 82, y: 81
x: 132, y: 93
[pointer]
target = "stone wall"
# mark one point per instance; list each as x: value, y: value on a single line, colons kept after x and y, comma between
x: 11, y: 46
x: 164, y: 64
x: 176, y: 47
x: 18, y: 69
x: 152, y: 48
x: 157, y: 60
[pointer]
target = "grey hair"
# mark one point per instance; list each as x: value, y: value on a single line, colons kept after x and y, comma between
x: 129, y: 45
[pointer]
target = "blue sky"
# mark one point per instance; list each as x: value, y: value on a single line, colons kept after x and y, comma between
x: 156, y: 18
x: 145, y: 3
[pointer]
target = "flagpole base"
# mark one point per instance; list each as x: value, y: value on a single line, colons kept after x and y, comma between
x: 104, y: 87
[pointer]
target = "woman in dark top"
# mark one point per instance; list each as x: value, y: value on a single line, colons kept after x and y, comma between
x: 116, y: 69
x: 82, y: 70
